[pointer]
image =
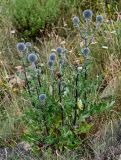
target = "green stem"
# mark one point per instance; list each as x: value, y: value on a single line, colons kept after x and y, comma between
x: 85, y: 78
x: 38, y: 77
x: 60, y: 100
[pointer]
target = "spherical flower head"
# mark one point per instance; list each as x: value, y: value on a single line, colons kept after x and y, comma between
x: 21, y: 47
x: 87, y: 14
x: 76, y: 20
x: 61, y: 61
x: 32, y: 57
x: 65, y: 50
x: 85, y: 51
x: 99, y: 19
x: 42, y: 97
x: 59, y: 50
x: 28, y: 44
x: 52, y: 56
x: 50, y: 63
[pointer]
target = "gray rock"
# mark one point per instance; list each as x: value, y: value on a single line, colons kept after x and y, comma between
x: 20, y: 151
x: 113, y: 88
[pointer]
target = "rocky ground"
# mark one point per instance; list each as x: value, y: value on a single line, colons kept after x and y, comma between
x: 21, y: 151
x: 108, y: 144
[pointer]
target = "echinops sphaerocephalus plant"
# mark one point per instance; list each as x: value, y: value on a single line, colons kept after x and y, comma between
x: 64, y: 84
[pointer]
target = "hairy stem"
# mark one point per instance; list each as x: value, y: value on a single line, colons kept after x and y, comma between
x: 45, y: 123
x: 27, y: 82
x: 52, y: 81
x: 76, y: 97
x: 38, y: 77
x: 85, y: 94
x: 43, y: 105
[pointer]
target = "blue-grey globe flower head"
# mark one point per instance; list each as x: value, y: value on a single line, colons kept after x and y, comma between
x: 61, y: 61
x: 85, y: 51
x: 28, y: 44
x: 50, y: 63
x: 76, y: 20
x: 87, y: 14
x: 42, y: 97
x: 52, y: 56
x: 59, y: 50
x: 21, y: 47
x: 65, y: 51
x: 32, y: 57
x: 99, y: 19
